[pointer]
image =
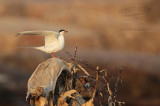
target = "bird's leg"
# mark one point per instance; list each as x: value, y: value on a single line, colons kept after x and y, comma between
x: 53, y: 55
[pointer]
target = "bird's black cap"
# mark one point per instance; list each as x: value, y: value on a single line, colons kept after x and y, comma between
x: 61, y: 30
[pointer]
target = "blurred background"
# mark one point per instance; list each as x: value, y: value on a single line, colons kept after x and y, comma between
x: 108, y: 33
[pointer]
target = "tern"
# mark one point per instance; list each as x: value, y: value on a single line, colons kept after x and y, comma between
x: 54, y: 41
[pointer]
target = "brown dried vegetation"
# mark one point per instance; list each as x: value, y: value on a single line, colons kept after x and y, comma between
x: 63, y: 86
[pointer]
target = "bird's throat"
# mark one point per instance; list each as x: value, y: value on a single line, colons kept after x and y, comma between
x: 61, y: 39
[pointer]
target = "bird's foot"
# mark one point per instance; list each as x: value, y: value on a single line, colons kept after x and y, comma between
x: 53, y: 55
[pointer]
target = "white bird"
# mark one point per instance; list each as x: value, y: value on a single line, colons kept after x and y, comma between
x: 54, y: 41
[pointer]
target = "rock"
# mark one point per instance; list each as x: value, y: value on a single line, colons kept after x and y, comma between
x: 44, y: 78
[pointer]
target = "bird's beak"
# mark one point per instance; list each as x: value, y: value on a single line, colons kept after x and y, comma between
x: 66, y: 31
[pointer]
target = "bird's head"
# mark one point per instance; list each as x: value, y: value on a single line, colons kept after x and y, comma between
x: 62, y: 31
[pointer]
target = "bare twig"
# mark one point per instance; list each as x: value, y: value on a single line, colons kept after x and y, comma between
x: 107, y: 83
x: 94, y: 92
x: 100, y: 73
x: 73, y: 59
x: 117, y: 78
x: 75, y: 53
x: 87, y: 64
x: 68, y: 53
x: 83, y: 69
x: 90, y: 102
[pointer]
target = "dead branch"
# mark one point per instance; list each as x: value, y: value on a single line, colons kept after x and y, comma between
x: 107, y: 83
x: 83, y: 70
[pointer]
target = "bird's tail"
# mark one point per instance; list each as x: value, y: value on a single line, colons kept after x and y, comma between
x: 17, y: 34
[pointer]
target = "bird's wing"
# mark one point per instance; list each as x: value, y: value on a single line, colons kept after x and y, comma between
x: 50, y: 36
x: 36, y: 33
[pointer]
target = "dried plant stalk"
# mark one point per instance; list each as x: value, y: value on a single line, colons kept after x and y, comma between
x: 83, y: 70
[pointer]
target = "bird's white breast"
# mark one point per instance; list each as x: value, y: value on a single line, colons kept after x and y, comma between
x: 60, y: 44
